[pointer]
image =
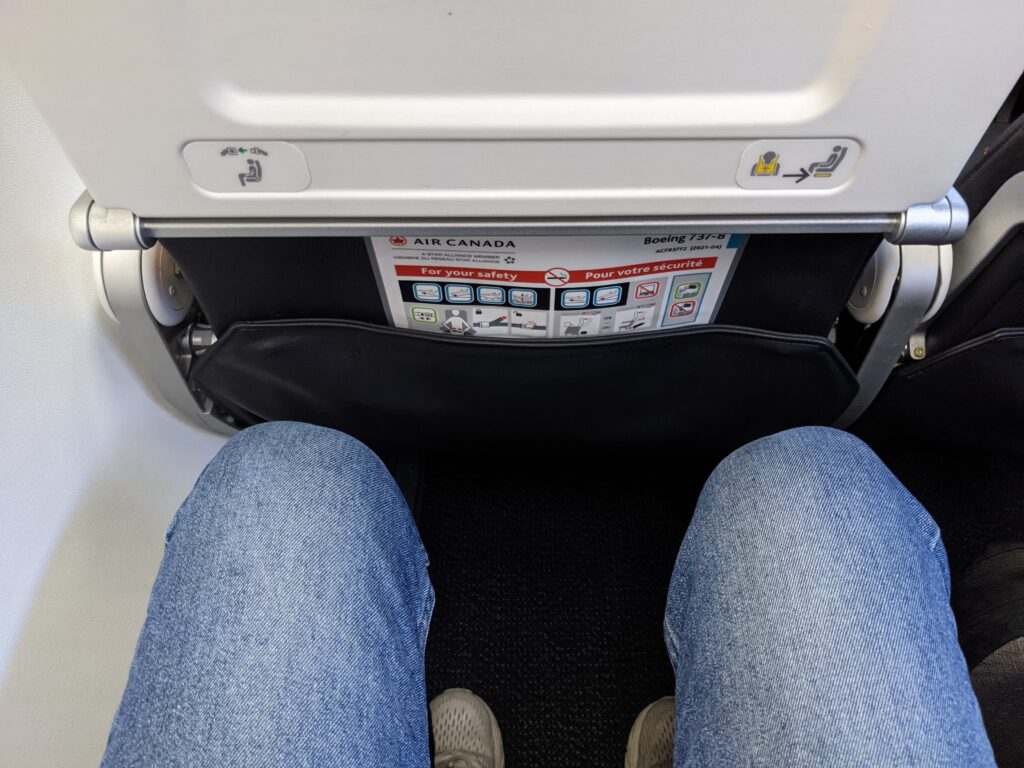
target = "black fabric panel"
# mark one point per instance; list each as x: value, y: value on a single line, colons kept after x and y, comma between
x: 969, y: 396
x: 1011, y: 109
x: 795, y: 283
x: 273, y: 278
x: 1003, y: 159
x: 994, y: 299
x: 696, y: 387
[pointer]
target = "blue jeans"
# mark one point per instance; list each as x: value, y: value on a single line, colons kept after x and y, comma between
x: 808, y: 618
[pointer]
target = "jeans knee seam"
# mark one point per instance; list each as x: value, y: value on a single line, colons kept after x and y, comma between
x: 671, y: 642
x: 426, y: 614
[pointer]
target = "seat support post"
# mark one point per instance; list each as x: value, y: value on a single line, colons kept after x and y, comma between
x: 912, y: 297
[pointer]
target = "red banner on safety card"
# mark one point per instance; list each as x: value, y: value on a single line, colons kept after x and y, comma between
x: 595, y: 275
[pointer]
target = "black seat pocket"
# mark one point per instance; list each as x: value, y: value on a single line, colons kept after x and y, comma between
x: 694, y: 388
x: 971, y: 395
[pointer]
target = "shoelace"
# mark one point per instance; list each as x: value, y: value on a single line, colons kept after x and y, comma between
x: 460, y: 760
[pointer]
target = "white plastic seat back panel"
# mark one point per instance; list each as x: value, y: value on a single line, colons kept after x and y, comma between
x: 533, y: 107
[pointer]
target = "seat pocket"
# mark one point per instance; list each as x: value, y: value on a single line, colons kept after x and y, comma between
x: 692, y: 388
x: 971, y: 395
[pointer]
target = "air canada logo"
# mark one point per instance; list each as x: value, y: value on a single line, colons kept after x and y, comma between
x: 398, y: 240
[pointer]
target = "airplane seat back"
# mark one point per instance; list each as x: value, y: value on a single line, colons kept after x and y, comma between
x: 289, y: 158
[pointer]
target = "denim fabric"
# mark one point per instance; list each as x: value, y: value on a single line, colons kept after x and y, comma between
x: 808, y: 619
x: 288, y: 620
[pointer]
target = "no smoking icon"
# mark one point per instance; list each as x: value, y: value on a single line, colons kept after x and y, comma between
x: 556, y: 276
x: 647, y: 290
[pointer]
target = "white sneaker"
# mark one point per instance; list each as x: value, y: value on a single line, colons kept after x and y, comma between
x: 652, y: 737
x: 466, y: 732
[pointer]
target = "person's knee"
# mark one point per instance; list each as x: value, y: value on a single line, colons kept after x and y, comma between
x: 789, y: 481
x: 284, y: 481
x: 782, y: 514
x: 294, y: 524
x: 803, y: 452
x: 293, y: 446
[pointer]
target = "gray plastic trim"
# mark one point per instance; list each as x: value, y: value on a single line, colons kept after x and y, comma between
x: 94, y: 227
x: 121, y: 275
x: 159, y: 228
x: 913, y: 295
x: 78, y: 223
x: 937, y: 223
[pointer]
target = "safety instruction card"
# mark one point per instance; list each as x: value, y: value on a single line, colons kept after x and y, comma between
x: 553, y: 287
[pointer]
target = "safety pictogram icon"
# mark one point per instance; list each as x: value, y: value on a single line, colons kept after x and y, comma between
x: 647, y: 290
x: 556, y: 276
